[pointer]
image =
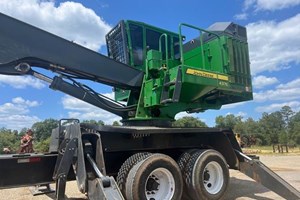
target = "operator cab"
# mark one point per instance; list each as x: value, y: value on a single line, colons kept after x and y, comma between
x: 129, y: 41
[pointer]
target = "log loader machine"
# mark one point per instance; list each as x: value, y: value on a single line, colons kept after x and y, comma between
x: 157, y: 73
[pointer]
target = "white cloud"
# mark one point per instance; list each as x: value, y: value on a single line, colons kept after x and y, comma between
x: 262, y: 81
x: 241, y: 16
x: 274, y: 45
x: 295, y: 106
x: 241, y: 114
x: 8, y: 108
x: 84, y: 111
x: 270, y: 4
x: 69, y: 20
x: 17, y: 122
x: 233, y: 105
x: 283, y: 92
x: 21, y: 82
x: 18, y: 105
x: 185, y: 114
x: 293, y: 84
x: 23, y: 102
x: 14, y: 114
x: 106, y: 117
x: 248, y: 4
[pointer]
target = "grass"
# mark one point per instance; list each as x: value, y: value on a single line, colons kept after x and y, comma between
x: 269, y: 150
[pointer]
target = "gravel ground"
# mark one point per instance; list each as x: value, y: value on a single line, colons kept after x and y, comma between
x: 241, y: 187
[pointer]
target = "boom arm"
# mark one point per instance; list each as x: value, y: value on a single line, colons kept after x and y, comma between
x: 23, y: 46
x: 23, y: 43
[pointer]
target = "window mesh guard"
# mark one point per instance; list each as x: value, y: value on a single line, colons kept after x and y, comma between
x: 117, y: 43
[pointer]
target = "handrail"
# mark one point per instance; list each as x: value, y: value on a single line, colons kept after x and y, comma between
x: 166, y: 45
x: 201, y: 39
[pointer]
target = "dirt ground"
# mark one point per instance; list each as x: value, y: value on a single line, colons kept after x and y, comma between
x: 241, y: 187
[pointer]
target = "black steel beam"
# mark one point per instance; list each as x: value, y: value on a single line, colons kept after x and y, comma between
x: 23, y: 43
x: 73, y: 90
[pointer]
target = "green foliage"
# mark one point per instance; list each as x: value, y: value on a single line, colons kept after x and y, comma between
x: 286, y: 113
x: 9, y: 139
x: 99, y: 122
x: 42, y: 146
x: 271, y: 125
x: 295, y: 130
x: 42, y: 130
x: 283, y: 138
x: 116, y: 123
x: 229, y: 121
x: 190, y: 122
x: 251, y: 127
x: 277, y: 127
x: 259, y: 142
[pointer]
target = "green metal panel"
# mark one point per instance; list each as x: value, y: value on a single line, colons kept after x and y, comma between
x: 152, y: 92
x: 154, y: 60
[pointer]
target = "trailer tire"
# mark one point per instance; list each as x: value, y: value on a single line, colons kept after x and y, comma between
x: 157, y: 177
x: 206, y: 175
x: 127, y: 166
x: 185, y: 157
x: 182, y: 162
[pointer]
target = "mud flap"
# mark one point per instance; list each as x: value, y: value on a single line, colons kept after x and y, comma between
x: 265, y: 176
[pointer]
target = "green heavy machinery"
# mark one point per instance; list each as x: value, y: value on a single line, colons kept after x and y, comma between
x: 155, y: 75
x: 204, y: 73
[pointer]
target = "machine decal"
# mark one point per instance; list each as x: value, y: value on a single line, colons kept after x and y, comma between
x: 207, y: 74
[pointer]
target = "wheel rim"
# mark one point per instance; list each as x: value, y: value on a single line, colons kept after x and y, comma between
x: 160, y: 185
x: 213, y: 178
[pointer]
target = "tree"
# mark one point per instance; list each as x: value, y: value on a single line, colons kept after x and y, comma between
x: 286, y: 113
x: 189, y: 121
x: 294, y: 128
x: 116, y: 123
x: 229, y: 121
x: 8, y: 139
x: 295, y: 133
x: 42, y: 130
x: 42, y: 146
x: 92, y: 121
x: 240, y: 127
x: 251, y: 126
x: 271, y: 125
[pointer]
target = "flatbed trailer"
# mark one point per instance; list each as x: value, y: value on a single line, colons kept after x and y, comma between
x: 157, y: 76
x: 109, y: 147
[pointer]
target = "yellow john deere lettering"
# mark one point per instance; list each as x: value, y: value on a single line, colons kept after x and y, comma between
x: 207, y: 74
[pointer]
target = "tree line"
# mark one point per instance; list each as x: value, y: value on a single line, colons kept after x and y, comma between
x: 42, y: 132
x: 281, y: 126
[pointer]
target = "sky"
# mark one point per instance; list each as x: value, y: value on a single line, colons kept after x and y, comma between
x: 273, y: 28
